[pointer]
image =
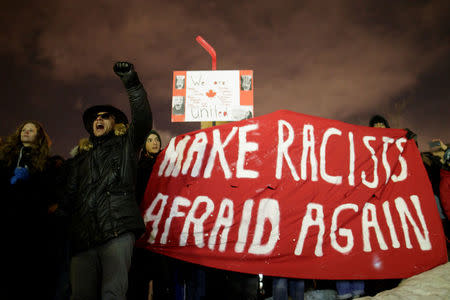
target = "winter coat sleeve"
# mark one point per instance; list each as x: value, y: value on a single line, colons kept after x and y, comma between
x: 141, y: 115
x: 444, y: 191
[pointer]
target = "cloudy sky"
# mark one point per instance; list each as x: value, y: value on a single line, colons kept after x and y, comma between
x: 343, y: 60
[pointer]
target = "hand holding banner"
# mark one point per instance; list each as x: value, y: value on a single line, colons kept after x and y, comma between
x: 292, y: 195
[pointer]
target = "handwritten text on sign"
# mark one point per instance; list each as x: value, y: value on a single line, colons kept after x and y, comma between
x: 296, y: 196
x: 212, y: 95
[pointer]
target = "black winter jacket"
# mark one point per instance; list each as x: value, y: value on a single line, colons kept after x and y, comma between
x: 144, y: 170
x: 27, y: 229
x: 101, y: 182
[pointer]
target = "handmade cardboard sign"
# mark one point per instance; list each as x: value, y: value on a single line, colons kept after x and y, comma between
x: 212, y: 96
x: 292, y: 195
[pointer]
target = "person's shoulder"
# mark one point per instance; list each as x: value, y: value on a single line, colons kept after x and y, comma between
x: 54, y: 162
x: 56, y: 159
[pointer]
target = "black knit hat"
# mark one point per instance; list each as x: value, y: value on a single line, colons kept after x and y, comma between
x: 378, y: 119
x: 90, y: 115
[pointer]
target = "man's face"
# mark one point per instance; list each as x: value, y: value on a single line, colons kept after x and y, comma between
x: 103, y: 124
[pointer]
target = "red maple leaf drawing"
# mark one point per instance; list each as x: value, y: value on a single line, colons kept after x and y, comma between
x: 210, y: 93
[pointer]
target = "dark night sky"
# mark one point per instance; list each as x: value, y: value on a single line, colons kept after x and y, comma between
x: 343, y: 60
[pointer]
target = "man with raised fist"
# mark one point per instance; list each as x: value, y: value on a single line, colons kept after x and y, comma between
x: 105, y: 218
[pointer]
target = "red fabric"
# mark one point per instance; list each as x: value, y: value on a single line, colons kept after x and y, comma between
x: 249, y: 196
x: 444, y: 191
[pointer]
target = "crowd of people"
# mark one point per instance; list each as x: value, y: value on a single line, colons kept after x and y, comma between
x: 72, y: 224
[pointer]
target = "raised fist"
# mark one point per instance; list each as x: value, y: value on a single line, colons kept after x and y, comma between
x: 125, y: 71
x: 122, y: 67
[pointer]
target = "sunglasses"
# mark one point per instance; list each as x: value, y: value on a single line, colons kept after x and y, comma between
x: 104, y: 116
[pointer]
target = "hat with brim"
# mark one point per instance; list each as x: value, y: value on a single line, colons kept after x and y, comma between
x: 90, y: 115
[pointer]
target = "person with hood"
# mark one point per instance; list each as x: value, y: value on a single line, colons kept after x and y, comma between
x: 28, y: 181
x: 356, y: 288
x: 149, y: 152
x: 148, y: 268
x: 378, y: 121
x: 348, y: 289
x: 101, y: 198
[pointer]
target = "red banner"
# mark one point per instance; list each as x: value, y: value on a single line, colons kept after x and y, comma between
x: 292, y: 195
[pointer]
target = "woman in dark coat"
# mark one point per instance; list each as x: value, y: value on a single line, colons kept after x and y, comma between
x: 148, y: 155
x: 147, y: 266
x: 28, y: 178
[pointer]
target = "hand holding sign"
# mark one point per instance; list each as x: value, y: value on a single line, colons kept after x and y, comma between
x: 329, y: 201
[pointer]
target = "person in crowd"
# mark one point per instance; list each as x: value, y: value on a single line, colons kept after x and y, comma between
x: 353, y: 289
x: 194, y: 279
x: 349, y: 289
x: 210, y: 283
x: 148, y: 269
x: 29, y: 184
x: 149, y: 153
x: 378, y: 121
x: 284, y: 287
x: 104, y: 216
x: 444, y: 185
x: 432, y: 165
x: 444, y: 192
x: 59, y: 247
x: 436, y: 163
x: 440, y: 160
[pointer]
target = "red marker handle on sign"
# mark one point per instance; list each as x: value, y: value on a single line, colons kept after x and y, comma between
x: 210, y: 50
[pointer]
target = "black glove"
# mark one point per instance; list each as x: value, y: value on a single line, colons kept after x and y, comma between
x: 122, y: 67
x: 125, y: 71
x: 410, y: 135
